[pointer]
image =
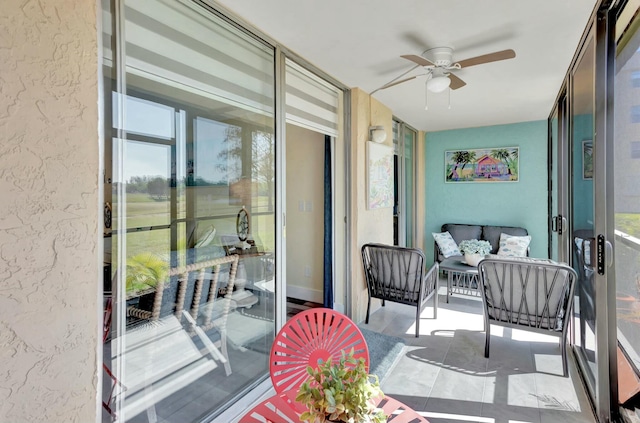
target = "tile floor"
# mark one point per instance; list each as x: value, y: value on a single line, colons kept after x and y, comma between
x: 444, y: 375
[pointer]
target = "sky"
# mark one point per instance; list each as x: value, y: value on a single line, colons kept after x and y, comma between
x: 161, y: 122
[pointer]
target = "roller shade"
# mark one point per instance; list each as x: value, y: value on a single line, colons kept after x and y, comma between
x: 179, y: 47
x: 310, y: 102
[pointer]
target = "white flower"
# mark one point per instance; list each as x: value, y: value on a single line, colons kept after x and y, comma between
x: 473, y: 246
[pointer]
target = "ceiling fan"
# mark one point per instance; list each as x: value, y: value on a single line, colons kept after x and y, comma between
x: 439, y: 66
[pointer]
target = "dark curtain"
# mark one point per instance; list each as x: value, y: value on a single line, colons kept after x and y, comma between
x: 328, y: 234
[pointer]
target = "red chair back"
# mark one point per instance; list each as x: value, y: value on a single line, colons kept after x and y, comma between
x: 310, y: 337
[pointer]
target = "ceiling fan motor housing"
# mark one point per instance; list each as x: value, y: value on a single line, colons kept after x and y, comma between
x: 440, y: 56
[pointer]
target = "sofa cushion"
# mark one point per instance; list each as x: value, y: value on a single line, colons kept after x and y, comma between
x: 460, y: 232
x: 492, y: 234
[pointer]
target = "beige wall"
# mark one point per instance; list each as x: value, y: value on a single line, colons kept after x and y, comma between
x: 305, y: 228
x: 368, y: 225
x: 49, y: 229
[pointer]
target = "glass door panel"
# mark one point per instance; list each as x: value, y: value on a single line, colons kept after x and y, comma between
x: 553, y: 185
x: 582, y: 206
x: 409, y: 190
x: 193, y: 163
x: 559, y: 233
x: 626, y: 165
x: 404, y: 140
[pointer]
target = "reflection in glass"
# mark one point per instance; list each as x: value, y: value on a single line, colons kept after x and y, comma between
x: 582, y: 124
x: 409, y: 139
x: 198, y: 119
x: 627, y: 196
x: 553, y: 174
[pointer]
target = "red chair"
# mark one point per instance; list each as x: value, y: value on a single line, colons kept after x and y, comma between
x: 280, y: 408
x: 309, y: 338
x: 315, y: 335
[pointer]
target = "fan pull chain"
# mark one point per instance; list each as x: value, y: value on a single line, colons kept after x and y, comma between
x: 449, y: 98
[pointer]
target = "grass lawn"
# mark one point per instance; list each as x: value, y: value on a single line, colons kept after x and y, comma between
x: 144, y: 211
x: 628, y: 223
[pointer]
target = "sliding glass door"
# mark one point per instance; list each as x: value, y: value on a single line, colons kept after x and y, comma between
x: 625, y: 164
x: 404, y: 209
x: 558, y: 184
x: 190, y: 180
x: 595, y: 169
x: 582, y: 124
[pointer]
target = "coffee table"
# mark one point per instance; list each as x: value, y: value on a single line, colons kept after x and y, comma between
x: 460, y: 277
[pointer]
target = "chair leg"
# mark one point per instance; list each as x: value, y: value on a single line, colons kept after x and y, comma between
x: 418, y: 320
x: 583, y: 333
x: 435, y: 304
x: 487, y: 340
x: 563, y: 347
x: 366, y: 321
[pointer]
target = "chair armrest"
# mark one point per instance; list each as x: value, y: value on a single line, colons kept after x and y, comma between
x: 430, y: 281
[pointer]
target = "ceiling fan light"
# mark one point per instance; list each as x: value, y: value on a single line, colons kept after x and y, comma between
x: 438, y: 84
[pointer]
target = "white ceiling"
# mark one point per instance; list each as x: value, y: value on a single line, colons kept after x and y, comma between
x: 359, y: 43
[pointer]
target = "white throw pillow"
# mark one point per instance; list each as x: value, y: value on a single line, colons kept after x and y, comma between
x: 513, y: 246
x: 447, y: 245
x: 206, y: 237
x: 586, y: 254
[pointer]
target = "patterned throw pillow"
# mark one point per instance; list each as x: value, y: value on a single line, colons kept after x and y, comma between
x: 513, y: 246
x: 447, y: 245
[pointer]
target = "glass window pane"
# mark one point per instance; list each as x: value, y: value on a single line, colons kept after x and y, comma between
x: 147, y: 178
x: 581, y: 186
x: 145, y: 118
x: 627, y: 197
x: 409, y: 141
x: 193, y: 182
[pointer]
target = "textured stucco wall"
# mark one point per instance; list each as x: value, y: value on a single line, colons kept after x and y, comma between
x: 49, y: 211
x: 369, y: 225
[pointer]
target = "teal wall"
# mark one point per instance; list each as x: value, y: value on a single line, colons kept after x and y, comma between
x: 522, y: 203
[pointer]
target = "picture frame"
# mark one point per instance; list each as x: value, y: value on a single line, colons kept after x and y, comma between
x: 587, y: 159
x: 496, y: 164
x: 379, y: 176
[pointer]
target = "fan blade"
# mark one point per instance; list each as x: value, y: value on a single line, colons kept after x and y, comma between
x: 488, y: 58
x: 456, y: 82
x: 391, y: 84
x: 417, y: 59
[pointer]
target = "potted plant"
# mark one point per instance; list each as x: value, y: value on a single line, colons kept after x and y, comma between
x: 144, y: 272
x: 341, y: 392
x: 474, y: 250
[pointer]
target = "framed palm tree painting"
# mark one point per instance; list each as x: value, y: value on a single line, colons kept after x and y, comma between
x: 500, y: 164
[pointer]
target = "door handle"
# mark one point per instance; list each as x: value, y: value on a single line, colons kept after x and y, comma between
x: 558, y: 224
x: 609, y: 253
x: 604, y: 254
